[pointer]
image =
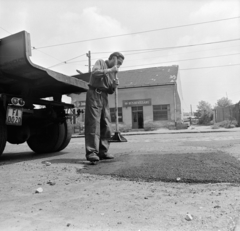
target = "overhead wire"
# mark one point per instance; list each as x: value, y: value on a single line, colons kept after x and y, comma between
x: 158, y: 49
x: 142, y: 50
x: 207, y: 67
x: 141, y: 32
x: 174, y: 54
x: 194, y: 68
x: 176, y: 47
x: 49, y: 55
x: 207, y: 57
x: 79, y: 61
x: 5, y: 30
x: 65, y: 62
x: 33, y: 48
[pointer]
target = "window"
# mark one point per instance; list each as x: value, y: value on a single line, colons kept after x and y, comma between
x: 161, y: 112
x: 82, y: 116
x: 78, y: 115
x: 113, y: 115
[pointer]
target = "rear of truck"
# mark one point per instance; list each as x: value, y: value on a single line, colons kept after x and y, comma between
x: 25, y: 113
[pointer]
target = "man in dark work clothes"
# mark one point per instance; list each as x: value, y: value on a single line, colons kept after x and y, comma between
x: 97, y: 115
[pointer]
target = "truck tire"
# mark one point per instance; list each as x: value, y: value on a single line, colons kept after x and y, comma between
x: 67, y: 136
x: 18, y: 134
x: 61, y: 136
x: 3, y: 133
x: 49, y: 140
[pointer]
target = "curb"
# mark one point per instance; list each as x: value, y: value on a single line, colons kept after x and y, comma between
x: 152, y: 133
x: 237, y: 226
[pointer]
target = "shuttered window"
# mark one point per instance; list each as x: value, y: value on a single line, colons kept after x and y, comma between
x: 161, y: 112
x: 113, y: 115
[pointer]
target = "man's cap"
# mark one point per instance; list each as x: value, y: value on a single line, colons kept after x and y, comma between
x: 117, y: 54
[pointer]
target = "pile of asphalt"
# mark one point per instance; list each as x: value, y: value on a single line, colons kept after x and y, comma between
x: 213, y: 167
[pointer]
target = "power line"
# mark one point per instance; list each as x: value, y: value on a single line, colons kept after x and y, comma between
x: 185, y: 60
x: 180, y: 53
x: 194, y: 68
x: 79, y: 61
x: 176, y: 47
x: 48, y: 55
x: 176, y: 53
x: 65, y: 62
x: 33, y: 48
x: 171, y: 54
x: 5, y: 30
x: 178, y: 61
x: 141, y: 32
x: 185, y: 69
x: 158, y: 49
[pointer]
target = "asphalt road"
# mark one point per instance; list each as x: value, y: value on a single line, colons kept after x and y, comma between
x: 185, y: 157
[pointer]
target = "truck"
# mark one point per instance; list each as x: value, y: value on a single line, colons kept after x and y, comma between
x: 26, y: 113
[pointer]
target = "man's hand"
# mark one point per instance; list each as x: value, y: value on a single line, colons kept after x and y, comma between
x: 114, y: 69
x: 115, y: 82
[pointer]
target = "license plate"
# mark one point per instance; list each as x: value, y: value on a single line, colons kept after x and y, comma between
x: 14, y: 115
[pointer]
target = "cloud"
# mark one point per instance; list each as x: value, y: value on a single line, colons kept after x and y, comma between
x: 215, y: 10
x: 218, y: 8
x: 90, y: 23
x: 210, y: 32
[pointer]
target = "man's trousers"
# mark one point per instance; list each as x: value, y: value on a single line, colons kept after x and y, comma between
x: 97, y: 123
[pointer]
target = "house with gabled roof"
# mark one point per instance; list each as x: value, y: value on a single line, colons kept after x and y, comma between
x: 145, y: 97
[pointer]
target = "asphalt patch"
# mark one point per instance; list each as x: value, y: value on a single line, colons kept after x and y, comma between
x: 217, y: 167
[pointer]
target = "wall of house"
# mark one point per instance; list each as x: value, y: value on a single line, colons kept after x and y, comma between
x: 179, y: 108
x: 159, y: 95
x: 179, y: 99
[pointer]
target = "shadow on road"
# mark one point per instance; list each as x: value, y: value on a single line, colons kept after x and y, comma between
x: 11, y: 158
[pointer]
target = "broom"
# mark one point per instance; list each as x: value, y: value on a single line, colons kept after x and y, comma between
x: 117, y: 137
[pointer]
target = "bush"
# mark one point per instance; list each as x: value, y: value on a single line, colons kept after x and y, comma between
x: 153, y: 126
x: 150, y: 126
x: 226, y: 124
x: 182, y: 126
x: 205, y: 119
x: 232, y: 126
x: 215, y: 126
x: 125, y: 128
x: 121, y: 127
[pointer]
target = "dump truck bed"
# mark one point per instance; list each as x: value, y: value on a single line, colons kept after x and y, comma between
x: 19, y: 76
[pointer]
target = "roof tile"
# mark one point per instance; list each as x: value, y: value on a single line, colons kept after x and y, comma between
x: 148, y: 76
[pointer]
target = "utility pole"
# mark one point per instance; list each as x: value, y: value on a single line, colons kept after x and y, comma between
x: 89, y: 61
x: 175, y: 103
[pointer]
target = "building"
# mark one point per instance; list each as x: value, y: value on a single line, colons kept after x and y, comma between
x: 146, y: 97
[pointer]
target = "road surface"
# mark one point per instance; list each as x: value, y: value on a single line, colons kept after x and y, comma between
x: 187, y: 181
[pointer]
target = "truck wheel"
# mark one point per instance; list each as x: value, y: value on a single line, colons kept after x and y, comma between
x: 3, y: 133
x: 18, y: 134
x: 49, y: 140
x: 67, y: 136
x: 61, y: 136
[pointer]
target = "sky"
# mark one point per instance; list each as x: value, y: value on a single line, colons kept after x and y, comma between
x: 63, y: 31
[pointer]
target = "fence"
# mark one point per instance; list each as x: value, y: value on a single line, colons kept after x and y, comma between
x: 231, y: 112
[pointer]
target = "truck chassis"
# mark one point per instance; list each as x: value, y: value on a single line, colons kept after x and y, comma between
x: 26, y: 114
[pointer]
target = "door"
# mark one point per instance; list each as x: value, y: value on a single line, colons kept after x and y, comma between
x: 137, y: 117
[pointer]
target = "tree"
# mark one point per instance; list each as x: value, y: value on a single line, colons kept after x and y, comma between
x: 204, y: 112
x: 223, y: 102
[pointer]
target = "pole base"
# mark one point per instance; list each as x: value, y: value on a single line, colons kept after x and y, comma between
x: 117, y: 137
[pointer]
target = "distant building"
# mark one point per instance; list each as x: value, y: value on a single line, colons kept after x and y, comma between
x: 145, y: 97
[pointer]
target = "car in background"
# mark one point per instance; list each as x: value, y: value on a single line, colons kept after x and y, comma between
x: 190, y: 120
